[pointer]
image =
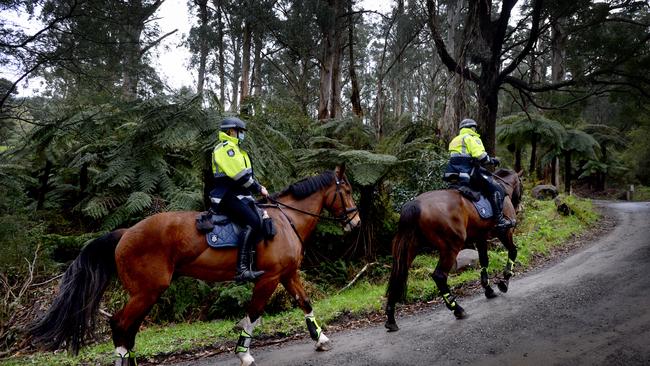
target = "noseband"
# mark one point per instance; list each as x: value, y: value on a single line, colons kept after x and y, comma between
x: 344, y: 217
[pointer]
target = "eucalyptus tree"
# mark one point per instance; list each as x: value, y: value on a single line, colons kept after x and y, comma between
x: 498, y: 44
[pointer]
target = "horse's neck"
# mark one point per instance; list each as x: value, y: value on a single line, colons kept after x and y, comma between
x: 304, y: 223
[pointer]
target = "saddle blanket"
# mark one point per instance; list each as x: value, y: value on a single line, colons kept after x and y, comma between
x: 224, y: 234
x: 221, y: 232
x: 481, y: 204
x: 483, y: 207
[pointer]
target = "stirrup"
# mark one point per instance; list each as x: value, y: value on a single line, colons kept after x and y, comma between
x: 248, y: 275
x: 504, y: 223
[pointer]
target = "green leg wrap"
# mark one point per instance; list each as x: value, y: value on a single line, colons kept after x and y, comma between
x: 243, y: 342
x: 313, y: 327
x: 449, y: 300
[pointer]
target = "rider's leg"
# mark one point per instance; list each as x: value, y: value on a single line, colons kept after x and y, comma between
x: 245, y: 215
x: 495, y: 194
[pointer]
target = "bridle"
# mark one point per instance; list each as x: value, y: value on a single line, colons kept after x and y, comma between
x: 344, y: 218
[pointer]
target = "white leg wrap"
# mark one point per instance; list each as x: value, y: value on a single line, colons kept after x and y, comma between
x: 323, y: 343
x: 248, y: 327
x: 121, y: 351
x: 246, y: 358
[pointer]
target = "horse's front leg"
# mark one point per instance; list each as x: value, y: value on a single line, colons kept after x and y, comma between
x: 484, y: 261
x: 294, y: 286
x: 508, y: 242
x: 261, y: 293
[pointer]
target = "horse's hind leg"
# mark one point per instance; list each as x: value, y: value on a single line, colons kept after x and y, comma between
x: 262, y: 291
x: 508, y: 242
x: 481, y: 246
x: 294, y: 286
x: 144, y: 288
x: 440, y: 275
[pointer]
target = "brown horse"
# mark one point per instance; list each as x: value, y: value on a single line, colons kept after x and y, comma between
x: 147, y: 256
x: 449, y: 221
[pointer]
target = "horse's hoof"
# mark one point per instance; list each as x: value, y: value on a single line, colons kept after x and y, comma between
x: 246, y: 359
x: 489, y: 293
x: 324, y: 343
x: 324, y: 346
x: 392, y: 327
x: 503, y: 286
x: 459, y: 313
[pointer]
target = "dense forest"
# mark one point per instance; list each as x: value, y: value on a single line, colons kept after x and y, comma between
x: 560, y: 90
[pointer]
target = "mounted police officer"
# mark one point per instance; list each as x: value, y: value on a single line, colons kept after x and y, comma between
x: 467, y: 159
x: 233, y: 186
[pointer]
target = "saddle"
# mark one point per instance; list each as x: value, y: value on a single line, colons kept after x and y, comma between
x: 221, y: 232
x: 480, y: 202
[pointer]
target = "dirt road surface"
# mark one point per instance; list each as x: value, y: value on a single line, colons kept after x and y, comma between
x: 590, y: 308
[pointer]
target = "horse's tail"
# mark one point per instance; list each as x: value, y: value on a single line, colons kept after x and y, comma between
x: 72, y: 314
x: 403, y: 251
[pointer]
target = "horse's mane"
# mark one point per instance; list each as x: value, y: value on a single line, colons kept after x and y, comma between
x: 307, y: 186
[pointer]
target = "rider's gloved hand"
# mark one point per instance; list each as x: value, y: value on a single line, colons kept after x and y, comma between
x: 496, y: 162
x: 264, y: 192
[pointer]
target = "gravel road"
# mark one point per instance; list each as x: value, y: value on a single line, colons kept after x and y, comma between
x: 590, y: 308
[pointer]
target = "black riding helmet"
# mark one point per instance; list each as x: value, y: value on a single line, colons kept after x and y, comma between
x: 232, y: 122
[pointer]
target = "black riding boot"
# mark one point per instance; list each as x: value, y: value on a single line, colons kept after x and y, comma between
x: 497, y: 204
x: 245, y: 260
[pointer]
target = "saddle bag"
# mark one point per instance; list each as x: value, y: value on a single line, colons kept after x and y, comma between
x: 268, y: 228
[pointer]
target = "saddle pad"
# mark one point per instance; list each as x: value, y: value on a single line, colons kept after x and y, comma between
x: 224, y: 235
x: 483, y: 207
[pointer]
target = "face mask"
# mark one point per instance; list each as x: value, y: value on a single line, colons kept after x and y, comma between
x: 241, y: 135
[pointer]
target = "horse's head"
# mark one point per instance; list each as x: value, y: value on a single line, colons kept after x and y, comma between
x: 339, y: 201
x: 513, y: 185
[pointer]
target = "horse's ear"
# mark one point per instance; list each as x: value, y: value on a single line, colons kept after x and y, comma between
x: 340, y: 170
x: 520, y: 173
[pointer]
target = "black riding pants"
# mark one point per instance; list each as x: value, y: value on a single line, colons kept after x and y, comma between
x: 242, y: 213
x: 489, y: 187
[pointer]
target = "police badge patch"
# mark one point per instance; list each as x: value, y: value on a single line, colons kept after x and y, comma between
x: 231, y: 153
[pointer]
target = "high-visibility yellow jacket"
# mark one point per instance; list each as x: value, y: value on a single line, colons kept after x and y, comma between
x: 468, y: 143
x: 232, y: 170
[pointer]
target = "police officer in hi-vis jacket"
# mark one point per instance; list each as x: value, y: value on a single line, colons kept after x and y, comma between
x: 233, y: 186
x: 466, y: 160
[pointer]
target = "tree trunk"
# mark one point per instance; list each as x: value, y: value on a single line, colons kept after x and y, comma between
x: 43, y: 185
x: 325, y: 79
x: 245, y: 68
x: 455, y: 106
x: 203, y: 43
x: 533, y: 154
x: 256, y: 78
x: 335, y: 93
x: 487, y: 116
x: 517, y: 158
x: 221, y: 58
x: 355, y: 96
x: 567, y: 172
x: 236, y: 73
x: 555, y: 170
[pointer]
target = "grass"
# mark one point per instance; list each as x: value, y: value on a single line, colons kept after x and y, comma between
x: 641, y: 193
x: 540, y: 229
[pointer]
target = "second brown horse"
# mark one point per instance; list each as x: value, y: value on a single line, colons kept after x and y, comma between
x: 447, y: 221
